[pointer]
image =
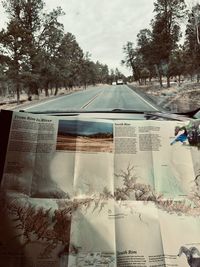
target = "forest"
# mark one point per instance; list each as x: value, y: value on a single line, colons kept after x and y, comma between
x: 37, y: 55
x: 170, y: 47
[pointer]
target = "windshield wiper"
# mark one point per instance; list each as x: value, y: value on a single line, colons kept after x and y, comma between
x: 149, y: 115
x: 119, y: 110
x: 190, y: 114
x: 88, y: 111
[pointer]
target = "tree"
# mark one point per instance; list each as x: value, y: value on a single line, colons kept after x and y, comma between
x: 11, y: 43
x: 194, y: 22
x: 145, y: 73
x: 27, y: 14
x: 48, y: 44
x: 44, y: 33
x: 192, y: 44
x: 102, y: 72
x: 68, y: 61
x: 112, y: 76
x: 177, y: 63
x: 133, y: 60
x: 166, y: 32
x: 30, y: 40
x: 145, y: 48
x: 4, y: 61
x: 88, y: 71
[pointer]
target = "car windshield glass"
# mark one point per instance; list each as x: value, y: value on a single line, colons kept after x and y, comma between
x: 100, y: 55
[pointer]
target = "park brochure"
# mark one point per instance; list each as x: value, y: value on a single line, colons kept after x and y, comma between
x: 96, y: 192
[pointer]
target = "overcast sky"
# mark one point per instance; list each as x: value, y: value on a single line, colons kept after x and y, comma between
x: 103, y: 27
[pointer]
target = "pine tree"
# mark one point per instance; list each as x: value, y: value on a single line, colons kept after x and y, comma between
x: 166, y: 32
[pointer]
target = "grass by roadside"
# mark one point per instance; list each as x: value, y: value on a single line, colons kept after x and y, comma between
x: 10, y: 103
x: 176, y: 98
x: 149, y: 97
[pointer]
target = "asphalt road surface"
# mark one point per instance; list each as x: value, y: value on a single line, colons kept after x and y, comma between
x: 97, y: 98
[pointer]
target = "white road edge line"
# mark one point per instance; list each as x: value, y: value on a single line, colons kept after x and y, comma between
x: 144, y: 100
x: 91, y: 100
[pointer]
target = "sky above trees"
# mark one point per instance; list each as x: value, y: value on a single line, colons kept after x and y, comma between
x: 103, y: 27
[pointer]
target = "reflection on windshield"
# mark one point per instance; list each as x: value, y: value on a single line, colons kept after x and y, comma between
x: 149, y: 66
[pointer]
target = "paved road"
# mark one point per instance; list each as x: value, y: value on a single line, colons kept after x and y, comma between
x: 97, y: 98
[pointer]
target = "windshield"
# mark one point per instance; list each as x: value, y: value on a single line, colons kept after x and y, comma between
x: 100, y: 55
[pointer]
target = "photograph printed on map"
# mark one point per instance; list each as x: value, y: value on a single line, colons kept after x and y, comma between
x: 81, y: 135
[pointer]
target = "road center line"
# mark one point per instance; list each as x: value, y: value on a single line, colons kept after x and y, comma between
x: 91, y: 100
